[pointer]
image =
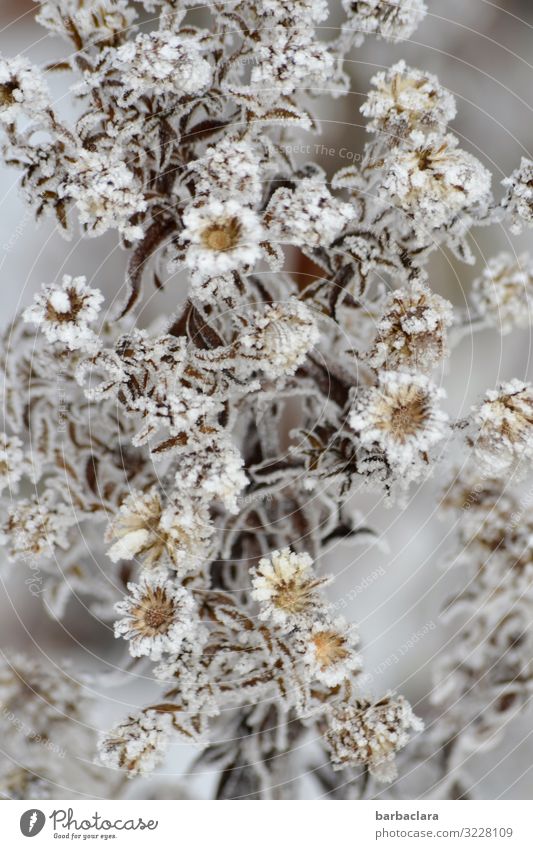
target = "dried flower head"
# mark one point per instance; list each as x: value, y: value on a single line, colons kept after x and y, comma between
x: 405, y: 99
x: 503, y: 294
x: 370, y: 734
x: 307, y: 215
x: 175, y: 534
x: 286, y: 588
x: 23, y: 91
x: 138, y: 743
x: 65, y: 311
x: 156, y: 616
x: 433, y: 181
x: 401, y: 417
x: 411, y: 333
x: 503, y: 428
x: 394, y: 20
x: 329, y: 651
x: 220, y: 236
x: 518, y: 201
x: 279, y: 338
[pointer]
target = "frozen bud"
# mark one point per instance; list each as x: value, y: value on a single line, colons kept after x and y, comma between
x: 138, y: 744
x: 307, y: 215
x: 503, y: 294
x: 220, y: 236
x: 371, y: 734
x: 503, y: 426
x: 162, y: 62
x: 279, y: 338
x: 157, y: 615
x: 229, y: 169
x: 405, y: 99
x: 286, y: 588
x: 65, y: 311
x: 394, y: 20
x: 175, y: 535
x: 411, y: 333
x: 329, y: 651
x: 435, y: 182
x: 23, y: 91
x: 401, y: 417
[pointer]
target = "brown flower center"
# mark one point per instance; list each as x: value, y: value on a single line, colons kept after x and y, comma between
x: 155, y: 614
x: 330, y: 648
x: 407, y: 418
x: 6, y: 93
x: 222, y: 235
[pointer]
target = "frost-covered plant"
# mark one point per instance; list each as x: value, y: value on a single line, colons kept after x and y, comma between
x: 168, y: 492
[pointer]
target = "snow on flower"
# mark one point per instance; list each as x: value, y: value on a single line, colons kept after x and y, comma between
x: 411, y: 333
x: 394, y: 20
x: 174, y: 535
x: 220, y: 236
x: 329, y: 651
x: 138, y: 743
x: 307, y: 215
x: 65, y: 311
x: 371, y: 734
x: 434, y: 181
x: 23, y: 91
x: 503, y: 293
x: 280, y: 338
x: 162, y: 62
x: 286, y: 588
x: 518, y: 201
x: 157, y: 615
x: 401, y: 417
x: 503, y: 427
x: 405, y: 99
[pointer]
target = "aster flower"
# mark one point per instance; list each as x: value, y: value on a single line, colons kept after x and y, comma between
x: 503, y: 427
x: 176, y: 535
x: 503, y: 294
x: 138, y: 743
x: 401, y: 417
x: 286, y: 588
x: 411, y: 333
x: 220, y: 236
x: 328, y: 649
x: 433, y: 181
x: 301, y: 11
x: 23, y: 91
x: 405, y: 99
x: 370, y: 734
x: 394, y: 20
x: 156, y: 616
x: 307, y: 215
x: 279, y: 339
x: 65, y: 311
x: 518, y: 201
